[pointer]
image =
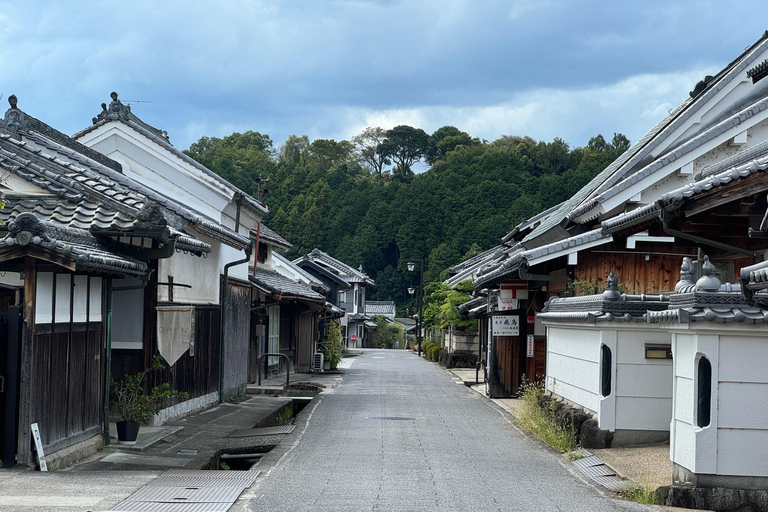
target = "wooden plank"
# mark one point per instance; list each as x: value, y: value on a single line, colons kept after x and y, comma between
x: 23, y: 446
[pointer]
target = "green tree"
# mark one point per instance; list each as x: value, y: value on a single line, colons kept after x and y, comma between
x: 368, y: 149
x: 444, y: 140
x: 405, y: 145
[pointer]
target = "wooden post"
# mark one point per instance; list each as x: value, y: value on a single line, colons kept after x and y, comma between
x: 24, y: 452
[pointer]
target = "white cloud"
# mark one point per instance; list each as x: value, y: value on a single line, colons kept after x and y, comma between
x: 631, y: 106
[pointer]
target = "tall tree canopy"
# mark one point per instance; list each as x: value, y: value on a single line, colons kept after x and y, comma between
x: 338, y: 195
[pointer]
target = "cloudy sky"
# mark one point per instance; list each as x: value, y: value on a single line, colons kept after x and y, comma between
x: 327, y: 69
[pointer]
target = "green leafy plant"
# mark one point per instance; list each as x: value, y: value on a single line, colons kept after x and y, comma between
x: 642, y: 494
x: 541, y: 422
x: 133, y: 404
x: 332, y: 347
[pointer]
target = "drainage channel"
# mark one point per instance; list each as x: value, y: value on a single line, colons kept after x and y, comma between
x: 203, y: 490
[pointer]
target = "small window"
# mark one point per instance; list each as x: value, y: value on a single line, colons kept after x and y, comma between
x: 261, y: 254
x: 703, y: 392
x: 658, y: 351
x: 605, y: 370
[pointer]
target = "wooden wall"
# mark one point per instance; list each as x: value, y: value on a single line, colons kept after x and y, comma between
x: 67, y: 376
x: 636, y: 274
x: 196, y: 374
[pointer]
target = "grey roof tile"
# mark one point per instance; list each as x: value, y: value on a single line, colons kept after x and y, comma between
x: 278, y: 284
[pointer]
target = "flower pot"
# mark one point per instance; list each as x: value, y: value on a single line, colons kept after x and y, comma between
x: 334, y: 364
x: 127, y: 432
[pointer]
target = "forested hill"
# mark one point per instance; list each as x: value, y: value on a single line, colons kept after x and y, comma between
x: 360, y: 201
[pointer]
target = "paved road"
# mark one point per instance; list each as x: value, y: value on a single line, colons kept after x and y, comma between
x: 400, y: 434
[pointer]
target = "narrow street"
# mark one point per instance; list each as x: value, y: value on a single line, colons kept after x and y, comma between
x: 400, y: 434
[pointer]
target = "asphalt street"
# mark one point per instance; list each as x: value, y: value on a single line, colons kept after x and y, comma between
x: 401, y: 434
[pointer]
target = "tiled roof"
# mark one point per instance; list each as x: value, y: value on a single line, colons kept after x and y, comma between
x: 116, y: 111
x: 518, y: 256
x: 270, y: 237
x: 78, y: 245
x: 469, y: 271
x: 278, y: 284
x: 674, y: 198
x: 99, y: 182
x: 683, y: 150
x: 680, y: 115
x: 344, y: 271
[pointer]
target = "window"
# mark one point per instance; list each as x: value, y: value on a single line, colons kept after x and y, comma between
x: 261, y: 254
x: 273, y: 341
x: 703, y: 392
x: 605, y: 370
x: 342, y: 297
x: 658, y: 351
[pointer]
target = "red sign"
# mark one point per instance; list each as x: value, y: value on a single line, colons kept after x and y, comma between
x: 353, y: 338
x: 529, y: 351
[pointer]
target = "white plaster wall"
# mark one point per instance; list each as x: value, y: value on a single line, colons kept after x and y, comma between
x: 742, y: 398
x: 641, y: 394
x: 573, y: 364
x: 643, y: 387
x: 66, y: 296
x: 204, y: 274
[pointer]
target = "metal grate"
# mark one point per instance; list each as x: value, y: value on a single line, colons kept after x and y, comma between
x: 139, y: 506
x: 595, y: 469
x: 188, y: 490
x: 263, y: 431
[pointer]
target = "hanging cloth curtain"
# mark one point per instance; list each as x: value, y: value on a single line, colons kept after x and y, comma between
x: 175, y: 332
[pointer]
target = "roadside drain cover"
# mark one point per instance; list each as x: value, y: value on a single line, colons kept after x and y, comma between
x: 596, y: 469
x: 263, y: 431
x: 189, y: 491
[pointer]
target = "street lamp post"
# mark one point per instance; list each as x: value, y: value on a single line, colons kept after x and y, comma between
x: 419, y: 296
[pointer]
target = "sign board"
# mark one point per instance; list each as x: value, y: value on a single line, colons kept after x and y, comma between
x: 39, y: 448
x: 353, y: 338
x: 175, y: 332
x: 508, y: 304
x: 506, y: 326
x: 529, y: 346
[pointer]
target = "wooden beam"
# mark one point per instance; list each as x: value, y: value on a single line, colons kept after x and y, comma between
x: 38, y: 253
x: 755, y: 184
x: 23, y: 447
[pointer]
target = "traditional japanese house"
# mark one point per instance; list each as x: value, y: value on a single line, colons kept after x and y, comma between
x: 212, y: 287
x: 347, y: 290
x: 73, y: 227
x: 289, y: 303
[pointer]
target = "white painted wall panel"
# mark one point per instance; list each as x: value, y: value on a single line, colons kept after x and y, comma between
x: 684, y: 400
x: 683, y: 353
x: 576, y: 372
x: 80, y: 298
x: 743, y: 405
x: 683, y: 447
x: 743, y: 359
x: 742, y: 452
x: 632, y: 344
x: 44, y: 298
x: 643, y: 413
x: 63, y: 297
x: 644, y: 380
x: 96, y: 304
x: 582, y: 397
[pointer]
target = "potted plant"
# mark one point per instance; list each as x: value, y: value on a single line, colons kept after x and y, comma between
x: 136, y: 407
x: 332, y: 348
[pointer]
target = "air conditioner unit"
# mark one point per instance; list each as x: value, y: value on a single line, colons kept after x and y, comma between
x: 317, y: 363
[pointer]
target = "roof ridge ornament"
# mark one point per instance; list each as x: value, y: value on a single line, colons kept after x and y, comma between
x: 612, y: 287
x: 115, y: 111
x: 708, y: 282
x: 686, y: 275
x: 15, y: 120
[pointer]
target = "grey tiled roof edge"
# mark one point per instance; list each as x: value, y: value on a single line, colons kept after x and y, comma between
x: 348, y: 273
x: 514, y: 260
x: 278, y: 284
x: 271, y: 237
x: 76, y: 244
x: 677, y: 117
x: 663, y: 161
x: 675, y: 197
x: 745, y: 315
x: 589, y: 317
x: 110, y: 178
x: 757, y: 151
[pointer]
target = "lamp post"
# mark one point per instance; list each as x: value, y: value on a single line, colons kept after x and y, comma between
x: 419, y: 296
